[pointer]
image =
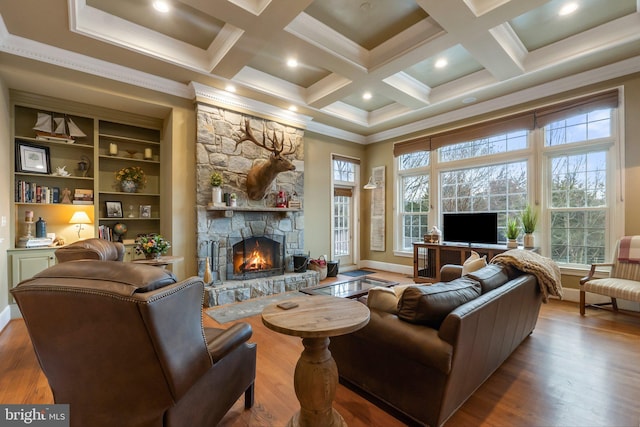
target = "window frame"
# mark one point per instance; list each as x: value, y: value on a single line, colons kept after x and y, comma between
x: 538, y: 158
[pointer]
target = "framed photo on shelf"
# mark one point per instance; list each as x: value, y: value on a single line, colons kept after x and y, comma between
x: 32, y: 158
x: 114, y: 209
x: 145, y: 211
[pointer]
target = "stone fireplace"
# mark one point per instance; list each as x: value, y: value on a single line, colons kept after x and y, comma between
x: 236, y: 232
x: 255, y: 257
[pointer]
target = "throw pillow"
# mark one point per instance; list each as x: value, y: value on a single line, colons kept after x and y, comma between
x: 385, y: 299
x: 473, y: 263
x: 430, y: 304
x: 490, y: 277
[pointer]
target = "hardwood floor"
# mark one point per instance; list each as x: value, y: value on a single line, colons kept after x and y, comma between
x: 572, y: 371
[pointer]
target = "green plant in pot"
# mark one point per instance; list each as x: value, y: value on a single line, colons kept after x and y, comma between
x: 529, y: 219
x: 513, y: 230
x: 216, y: 192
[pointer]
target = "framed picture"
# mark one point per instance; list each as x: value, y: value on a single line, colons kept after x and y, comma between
x: 145, y: 211
x: 32, y: 158
x: 114, y: 209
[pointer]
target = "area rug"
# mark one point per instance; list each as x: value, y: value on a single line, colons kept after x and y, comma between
x: 357, y: 273
x: 240, y: 310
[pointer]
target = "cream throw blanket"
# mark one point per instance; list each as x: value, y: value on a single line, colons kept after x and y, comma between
x: 545, y: 269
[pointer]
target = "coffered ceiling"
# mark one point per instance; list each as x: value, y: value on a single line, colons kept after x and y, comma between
x: 391, y: 49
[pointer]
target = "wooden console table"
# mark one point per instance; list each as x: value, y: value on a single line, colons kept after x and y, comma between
x: 428, y: 258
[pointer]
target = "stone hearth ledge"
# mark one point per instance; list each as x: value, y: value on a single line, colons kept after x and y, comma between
x: 232, y: 291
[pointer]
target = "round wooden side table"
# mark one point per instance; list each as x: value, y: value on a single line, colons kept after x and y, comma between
x: 315, y: 319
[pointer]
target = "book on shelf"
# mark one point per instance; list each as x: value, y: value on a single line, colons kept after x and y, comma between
x: 31, y: 192
x: 83, y: 194
x: 82, y: 202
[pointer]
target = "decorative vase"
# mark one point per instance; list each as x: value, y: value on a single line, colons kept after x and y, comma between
x: 152, y: 255
x: 128, y: 186
x: 207, y: 272
x: 216, y: 195
x: 528, y: 240
x: 512, y: 243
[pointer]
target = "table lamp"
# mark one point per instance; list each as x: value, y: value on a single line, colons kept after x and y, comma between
x: 80, y: 218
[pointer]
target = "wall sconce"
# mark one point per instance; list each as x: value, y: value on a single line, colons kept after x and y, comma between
x: 371, y: 185
x: 80, y: 218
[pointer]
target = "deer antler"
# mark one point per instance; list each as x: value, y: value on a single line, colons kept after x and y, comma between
x: 276, y: 146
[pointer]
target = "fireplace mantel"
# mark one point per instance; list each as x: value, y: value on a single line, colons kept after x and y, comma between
x: 228, y: 210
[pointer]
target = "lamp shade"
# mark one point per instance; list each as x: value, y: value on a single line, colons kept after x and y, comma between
x: 80, y: 217
x: 371, y: 185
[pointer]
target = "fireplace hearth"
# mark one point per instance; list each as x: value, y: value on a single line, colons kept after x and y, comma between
x: 255, y: 257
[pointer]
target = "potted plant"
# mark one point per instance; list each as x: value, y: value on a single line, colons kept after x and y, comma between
x: 529, y: 219
x: 513, y: 230
x: 151, y: 245
x: 216, y: 192
x: 131, y: 178
x: 233, y: 199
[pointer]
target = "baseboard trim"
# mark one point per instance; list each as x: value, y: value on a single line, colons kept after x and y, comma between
x: 387, y: 266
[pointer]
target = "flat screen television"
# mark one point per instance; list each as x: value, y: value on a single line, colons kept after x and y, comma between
x: 476, y: 227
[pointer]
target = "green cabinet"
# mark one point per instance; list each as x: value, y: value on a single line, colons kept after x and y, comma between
x: 26, y: 263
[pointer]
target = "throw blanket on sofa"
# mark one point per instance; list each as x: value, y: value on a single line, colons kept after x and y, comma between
x: 545, y: 269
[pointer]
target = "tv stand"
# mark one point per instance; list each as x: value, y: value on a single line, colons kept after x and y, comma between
x: 428, y: 258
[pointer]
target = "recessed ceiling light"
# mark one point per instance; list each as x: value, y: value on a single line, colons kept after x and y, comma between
x: 292, y: 63
x: 441, y: 63
x: 293, y: 108
x: 161, y: 6
x: 230, y: 88
x: 366, y: 95
x: 469, y: 100
x: 568, y: 9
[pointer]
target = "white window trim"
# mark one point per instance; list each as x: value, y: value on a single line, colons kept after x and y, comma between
x: 536, y: 156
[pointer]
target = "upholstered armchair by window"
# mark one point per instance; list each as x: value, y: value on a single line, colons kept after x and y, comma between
x: 93, y: 248
x: 624, y: 278
x: 124, y: 345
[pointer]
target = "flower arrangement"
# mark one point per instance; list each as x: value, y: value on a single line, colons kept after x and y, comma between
x: 216, y: 179
x: 151, y: 245
x: 132, y: 173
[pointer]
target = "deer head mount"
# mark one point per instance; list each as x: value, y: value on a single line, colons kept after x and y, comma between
x: 263, y: 171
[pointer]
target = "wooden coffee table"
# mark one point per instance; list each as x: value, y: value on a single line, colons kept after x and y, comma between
x: 315, y: 319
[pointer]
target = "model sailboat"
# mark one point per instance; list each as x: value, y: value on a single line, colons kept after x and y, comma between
x: 60, y: 129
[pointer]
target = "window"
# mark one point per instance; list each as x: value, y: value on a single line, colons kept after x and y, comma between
x: 498, y: 188
x: 579, y: 195
x: 414, y: 197
x: 562, y: 156
x: 344, y: 171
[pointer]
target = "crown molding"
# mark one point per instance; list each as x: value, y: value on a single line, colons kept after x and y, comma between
x: 41, y: 52
x: 208, y: 95
x: 598, y: 75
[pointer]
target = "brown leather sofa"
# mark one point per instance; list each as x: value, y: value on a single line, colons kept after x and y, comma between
x: 124, y: 345
x: 93, y: 248
x: 424, y: 359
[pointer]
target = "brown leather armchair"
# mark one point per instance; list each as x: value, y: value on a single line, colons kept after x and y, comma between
x: 124, y: 345
x: 93, y: 248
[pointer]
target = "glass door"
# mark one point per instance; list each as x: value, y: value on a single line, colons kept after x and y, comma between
x: 343, y: 225
x: 344, y: 218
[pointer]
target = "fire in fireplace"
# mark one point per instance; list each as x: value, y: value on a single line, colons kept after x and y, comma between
x: 254, y: 257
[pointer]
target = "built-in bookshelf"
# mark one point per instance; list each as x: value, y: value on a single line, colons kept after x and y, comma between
x: 121, y: 146
x: 56, y: 176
